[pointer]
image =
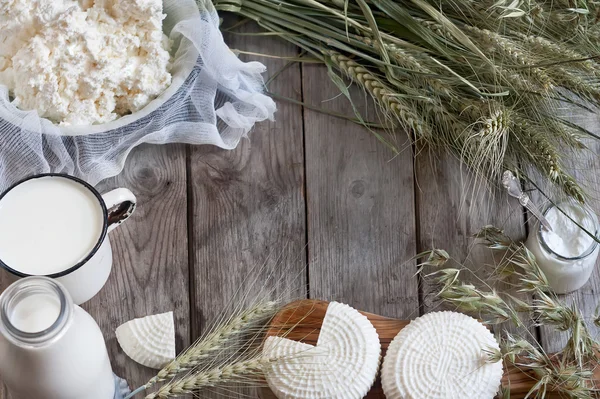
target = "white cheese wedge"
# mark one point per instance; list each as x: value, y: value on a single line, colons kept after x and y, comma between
x: 343, y: 365
x: 150, y: 341
x: 441, y: 355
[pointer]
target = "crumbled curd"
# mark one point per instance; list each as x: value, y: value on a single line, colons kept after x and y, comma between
x: 83, y: 62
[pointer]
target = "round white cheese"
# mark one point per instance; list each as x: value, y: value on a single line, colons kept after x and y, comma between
x: 343, y: 364
x: 441, y: 355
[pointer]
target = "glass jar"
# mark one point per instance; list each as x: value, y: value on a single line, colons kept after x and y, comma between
x: 49, y: 347
x: 567, y: 271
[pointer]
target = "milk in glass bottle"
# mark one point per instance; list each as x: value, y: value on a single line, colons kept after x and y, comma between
x: 49, y: 347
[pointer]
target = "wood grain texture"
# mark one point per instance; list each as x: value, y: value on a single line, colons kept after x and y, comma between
x: 150, y: 271
x: 452, y: 206
x: 247, y: 206
x: 361, y: 219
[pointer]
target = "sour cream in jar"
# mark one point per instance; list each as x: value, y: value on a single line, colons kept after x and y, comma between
x: 567, y: 254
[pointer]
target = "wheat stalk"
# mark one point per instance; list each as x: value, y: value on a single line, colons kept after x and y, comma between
x: 496, y: 43
x: 401, y: 56
x: 435, y: 27
x: 488, y: 142
x: 534, y: 143
x: 380, y: 92
x: 510, y: 50
x: 559, y: 51
x: 220, y: 339
x: 212, y: 377
x: 539, y: 150
x: 576, y: 84
x: 421, y: 61
x: 404, y: 59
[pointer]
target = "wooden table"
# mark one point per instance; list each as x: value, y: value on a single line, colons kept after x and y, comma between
x: 317, y: 198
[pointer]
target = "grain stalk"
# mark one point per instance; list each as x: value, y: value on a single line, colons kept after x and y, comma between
x: 420, y: 64
x: 552, y: 50
x: 422, y: 73
x: 217, y: 341
x: 401, y: 111
x: 534, y: 144
x: 212, y: 377
x: 510, y: 52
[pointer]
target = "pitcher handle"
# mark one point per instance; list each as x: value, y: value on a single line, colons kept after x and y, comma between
x: 120, y: 204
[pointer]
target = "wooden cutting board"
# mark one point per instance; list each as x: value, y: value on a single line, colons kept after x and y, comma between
x: 302, y: 320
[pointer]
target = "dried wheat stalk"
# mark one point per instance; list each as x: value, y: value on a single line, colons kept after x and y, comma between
x: 220, y: 339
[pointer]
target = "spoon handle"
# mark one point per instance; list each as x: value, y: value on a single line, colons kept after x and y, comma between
x: 536, y: 212
x: 513, y: 188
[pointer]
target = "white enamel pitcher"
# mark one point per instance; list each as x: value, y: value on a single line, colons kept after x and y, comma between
x: 86, y: 278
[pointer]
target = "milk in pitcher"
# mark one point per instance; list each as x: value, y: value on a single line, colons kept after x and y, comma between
x: 57, y: 226
x: 49, y: 225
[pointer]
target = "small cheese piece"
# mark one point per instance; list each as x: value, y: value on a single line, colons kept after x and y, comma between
x: 343, y: 365
x: 149, y: 341
x: 441, y: 355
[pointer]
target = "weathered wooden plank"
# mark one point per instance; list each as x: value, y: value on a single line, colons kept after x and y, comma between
x: 585, y: 166
x: 150, y: 271
x: 452, y: 206
x: 361, y: 219
x: 247, y: 205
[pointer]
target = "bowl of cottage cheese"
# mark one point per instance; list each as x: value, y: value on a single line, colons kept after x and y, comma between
x: 84, y: 82
x: 89, y: 66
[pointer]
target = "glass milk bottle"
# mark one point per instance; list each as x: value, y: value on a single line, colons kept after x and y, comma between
x: 567, y: 254
x: 49, y: 347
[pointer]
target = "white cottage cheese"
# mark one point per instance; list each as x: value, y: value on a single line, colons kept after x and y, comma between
x: 19, y: 22
x: 567, y: 238
x: 85, y: 62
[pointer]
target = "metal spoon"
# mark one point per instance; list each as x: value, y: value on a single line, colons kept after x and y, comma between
x: 513, y: 188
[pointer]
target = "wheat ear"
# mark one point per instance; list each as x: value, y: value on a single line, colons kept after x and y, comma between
x: 404, y: 59
x: 211, y: 378
x: 383, y: 95
x: 487, y: 143
x: 216, y: 341
x: 576, y: 84
x: 401, y: 56
x: 544, y: 156
x: 510, y: 50
x: 435, y: 27
x: 548, y: 49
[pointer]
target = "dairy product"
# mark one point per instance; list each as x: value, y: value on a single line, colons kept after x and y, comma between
x: 56, y: 225
x: 567, y: 254
x: 78, y: 63
x: 48, y: 225
x: 343, y: 364
x: 566, y: 238
x: 442, y: 355
x: 150, y: 340
x: 19, y: 22
x: 67, y: 360
x: 35, y: 313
